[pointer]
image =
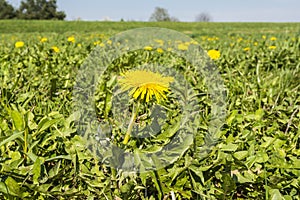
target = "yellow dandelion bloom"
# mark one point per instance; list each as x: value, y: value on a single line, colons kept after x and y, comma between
x: 43, y: 39
x: 159, y: 50
x: 247, y: 49
x: 183, y: 46
x: 148, y: 48
x: 109, y: 42
x: 264, y: 37
x: 273, y: 38
x: 71, y: 39
x: 272, y: 47
x: 214, y: 54
x: 255, y: 43
x: 160, y: 42
x: 19, y: 44
x: 240, y: 39
x: 97, y: 43
x: 145, y: 84
x: 55, y: 49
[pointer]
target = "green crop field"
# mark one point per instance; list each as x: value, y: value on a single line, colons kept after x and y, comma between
x: 255, y: 154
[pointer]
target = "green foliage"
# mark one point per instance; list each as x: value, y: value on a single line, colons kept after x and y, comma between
x: 31, y: 9
x: 39, y: 9
x: 43, y: 157
x: 7, y: 11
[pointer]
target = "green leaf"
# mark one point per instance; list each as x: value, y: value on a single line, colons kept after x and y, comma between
x: 3, y: 188
x: 240, y: 155
x: 259, y: 114
x: 36, y: 170
x: 275, y: 195
x: 11, y: 138
x: 46, y: 123
x: 13, y: 187
x: 18, y: 120
x: 229, y: 147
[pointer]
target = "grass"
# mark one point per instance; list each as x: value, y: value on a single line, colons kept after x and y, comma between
x: 43, y: 154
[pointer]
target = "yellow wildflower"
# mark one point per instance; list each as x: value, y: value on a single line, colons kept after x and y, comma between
x: 273, y: 38
x: 183, y: 46
x: 148, y: 48
x: 109, y: 42
x: 160, y: 42
x: 272, y: 47
x: 214, y: 54
x: 247, y: 49
x: 145, y: 84
x: 55, y: 49
x: 71, y: 39
x: 43, y: 39
x: 159, y: 50
x: 19, y: 44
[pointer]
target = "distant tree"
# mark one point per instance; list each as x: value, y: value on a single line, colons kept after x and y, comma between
x: 174, y: 19
x: 7, y: 11
x: 39, y: 9
x: 203, y: 17
x: 160, y: 15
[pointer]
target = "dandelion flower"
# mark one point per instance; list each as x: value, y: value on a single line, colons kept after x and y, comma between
x: 272, y: 47
x: 71, y: 39
x: 159, y: 50
x: 183, y: 46
x: 55, y: 49
x: 109, y: 42
x: 145, y: 84
x: 247, y: 49
x: 44, y: 39
x: 19, y: 44
x: 214, y: 54
x: 148, y: 48
x: 160, y: 42
x: 273, y: 38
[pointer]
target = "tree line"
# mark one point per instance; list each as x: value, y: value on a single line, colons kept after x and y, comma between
x: 31, y: 9
x: 161, y: 14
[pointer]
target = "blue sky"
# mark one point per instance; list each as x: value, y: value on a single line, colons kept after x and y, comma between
x: 184, y: 10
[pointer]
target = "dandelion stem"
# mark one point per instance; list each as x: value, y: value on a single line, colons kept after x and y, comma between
x: 132, y: 120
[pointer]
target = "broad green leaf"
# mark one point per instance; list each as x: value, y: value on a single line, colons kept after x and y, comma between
x: 229, y: 147
x: 3, y: 188
x: 262, y: 157
x: 18, y: 120
x: 243, y: 179
x: 13, y: 187
x: 275, y: 194
x: 240, y: 155
x: 250, y: 161
x: 259, y: 114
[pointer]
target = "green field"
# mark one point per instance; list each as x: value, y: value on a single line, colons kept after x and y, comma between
x: 255, y: 156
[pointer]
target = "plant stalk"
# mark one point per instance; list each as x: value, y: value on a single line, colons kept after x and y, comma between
x: 131, y: 123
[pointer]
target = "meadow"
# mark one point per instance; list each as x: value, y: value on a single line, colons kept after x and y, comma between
x: 256, y: 154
